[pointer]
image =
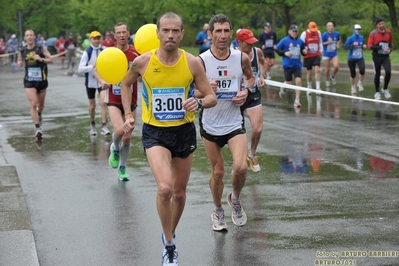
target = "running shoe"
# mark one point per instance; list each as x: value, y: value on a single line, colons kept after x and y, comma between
x: 239, y: 217
x: 282, y: 93
x: 333, y: 81
x: 353, y: 90
x: 309, y: 93
x: 123, y: 176
x: 170, y: 256
x: 377, y: 95
x: 113, y: 157
x: 38, y: 134
x: 93, y: 130
x: 328, y: 84
x: 387, y: 95
x: 104, y: 130
x: 253, y: 163
x: 360, y: 85
x: 218, y: 222
x: 297, y: 104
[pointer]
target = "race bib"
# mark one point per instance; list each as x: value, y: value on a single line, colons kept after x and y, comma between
x: 116, y: 89
x: 34, y: 74
x: 357, y: 52
x: 331, y: 47
x: 71, y: 47
x: 253, y: 89
x: 295, y: 52
x: 384, y: 48
x: 227, y: 88
x: 167, y: 104
x: 313, y: 48
x: 269, y: 43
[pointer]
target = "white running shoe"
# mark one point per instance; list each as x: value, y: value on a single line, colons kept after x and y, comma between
x: 170, y: 256
x: 93, y: 130
x: 297, y: 104
x: 333, y: 81
x: 308, y: 93
x: 38, y: 134
x: 104, y: 130
x: 282, y: 92
x: 387, y: 95
x: 239, y: 217
x: 377, y: 95
x: 218, y: 223
x: 253, y: 163
x: 360, y: 85
x: 353, y: 90
x: 328, y: 84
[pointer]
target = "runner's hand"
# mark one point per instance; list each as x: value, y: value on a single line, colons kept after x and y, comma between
x: 129, y: 125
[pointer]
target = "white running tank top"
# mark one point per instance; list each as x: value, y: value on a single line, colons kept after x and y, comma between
x: 225, y: 117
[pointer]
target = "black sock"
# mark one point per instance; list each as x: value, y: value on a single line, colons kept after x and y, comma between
x: 37, y: 125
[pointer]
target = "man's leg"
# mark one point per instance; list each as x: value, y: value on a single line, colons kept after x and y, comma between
x: 172, y: 177
x: 256, y: 118
x: 335, y: 62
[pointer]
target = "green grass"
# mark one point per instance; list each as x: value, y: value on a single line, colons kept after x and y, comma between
x: 342, y: 54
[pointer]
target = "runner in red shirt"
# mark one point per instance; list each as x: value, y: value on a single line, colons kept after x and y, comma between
x: 119, y: 152
x: 60, y: 46
x: 313, y: 41
x: 108, y: 41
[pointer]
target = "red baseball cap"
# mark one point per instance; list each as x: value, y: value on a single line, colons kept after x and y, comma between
x: 246, y: 35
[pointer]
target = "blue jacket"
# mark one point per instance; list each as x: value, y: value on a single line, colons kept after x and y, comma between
x: 355, y: 52
x: 296, y: 48
x: 200, y: 41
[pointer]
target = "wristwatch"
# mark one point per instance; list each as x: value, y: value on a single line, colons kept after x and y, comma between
x: 199, y: 102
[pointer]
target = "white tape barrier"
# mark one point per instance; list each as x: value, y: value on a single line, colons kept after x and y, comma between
x: 52, y: 56
x: 294, y: 87
x: 8, y: 54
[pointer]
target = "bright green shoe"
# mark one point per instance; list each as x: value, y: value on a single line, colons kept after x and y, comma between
x: 113, y: 157
x: 123, y: 176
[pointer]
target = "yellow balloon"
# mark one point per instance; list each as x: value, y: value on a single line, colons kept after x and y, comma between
x: 146, y: 38
x: 112, y: 65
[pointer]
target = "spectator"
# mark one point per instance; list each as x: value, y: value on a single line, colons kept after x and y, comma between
x: 108, y: 41
x: 203, y: 40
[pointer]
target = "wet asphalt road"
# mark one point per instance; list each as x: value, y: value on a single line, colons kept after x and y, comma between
x: 329, y: 185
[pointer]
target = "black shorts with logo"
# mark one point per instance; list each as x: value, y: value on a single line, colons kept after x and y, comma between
x: 38, y: 85
x: 253, y: 99
x: 309, y: 62
x: 222, y: 140
x: 181, y: 141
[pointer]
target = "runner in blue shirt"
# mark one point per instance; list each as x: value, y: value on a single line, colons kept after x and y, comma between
x: 355, y: 44
x: 331, y: 40
x: 203, y: 41
x: 290, y: 48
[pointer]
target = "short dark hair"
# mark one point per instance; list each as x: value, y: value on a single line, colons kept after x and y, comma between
x: 219, y: 18
x: 121, y: 24
x: 169, y: 15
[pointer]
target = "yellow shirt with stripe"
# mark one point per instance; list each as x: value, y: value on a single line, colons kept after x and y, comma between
x: 164, y: 89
